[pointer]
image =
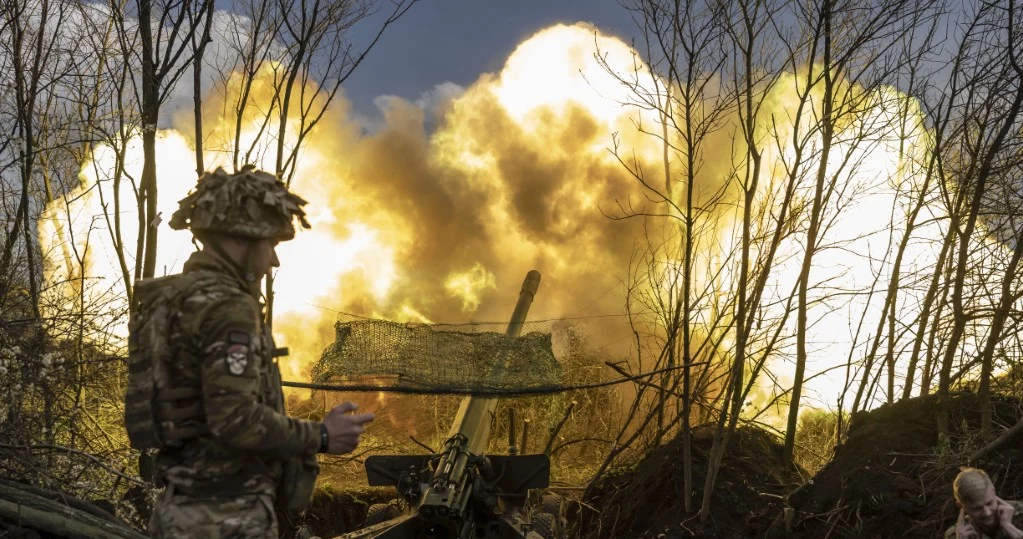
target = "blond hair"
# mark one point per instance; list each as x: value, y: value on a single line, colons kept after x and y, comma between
x: 971, y: 485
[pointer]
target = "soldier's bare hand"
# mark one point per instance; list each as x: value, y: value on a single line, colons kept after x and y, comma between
x: 344, y: 428
x: 1005, y: 512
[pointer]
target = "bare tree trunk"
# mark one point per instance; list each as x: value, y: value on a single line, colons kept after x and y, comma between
x: 913, y: 62
x: 163, y: 61
x: 199, y: 52
x: 826, y: 129
x: 150, y: 116
x: 745, y: 40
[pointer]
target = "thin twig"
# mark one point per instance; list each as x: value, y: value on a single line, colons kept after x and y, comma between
x: 93, y: 458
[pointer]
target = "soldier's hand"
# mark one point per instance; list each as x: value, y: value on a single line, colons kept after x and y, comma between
x: 344, y: 428
x: 1005, y: 512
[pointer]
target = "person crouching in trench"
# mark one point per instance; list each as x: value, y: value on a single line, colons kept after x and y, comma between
x: 982, y: 514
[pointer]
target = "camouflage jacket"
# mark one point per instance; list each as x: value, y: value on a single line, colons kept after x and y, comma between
x: 1017, y: 520
x: 222, y: 347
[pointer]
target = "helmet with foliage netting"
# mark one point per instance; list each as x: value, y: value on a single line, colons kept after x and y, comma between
x: 249, y: 204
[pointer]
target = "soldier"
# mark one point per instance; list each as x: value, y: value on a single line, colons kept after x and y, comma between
x: 227, y: 452
x: 982, y: 514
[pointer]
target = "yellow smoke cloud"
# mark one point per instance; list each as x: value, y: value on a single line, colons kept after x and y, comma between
x: 443, y: 225
x: 410, y: 225
x: 513, y: 178
x: 469, y: 285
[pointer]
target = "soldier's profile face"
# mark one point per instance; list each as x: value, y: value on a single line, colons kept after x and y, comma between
x: 265, y: 256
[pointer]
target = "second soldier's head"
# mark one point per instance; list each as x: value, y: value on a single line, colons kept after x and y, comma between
x: 975, y: 495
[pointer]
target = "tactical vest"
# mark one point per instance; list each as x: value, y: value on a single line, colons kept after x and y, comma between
x: 160, y: 413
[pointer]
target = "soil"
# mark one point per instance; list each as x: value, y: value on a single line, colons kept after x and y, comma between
x: 335, y: 513
x: 892, y: 479
x: 646, y: 500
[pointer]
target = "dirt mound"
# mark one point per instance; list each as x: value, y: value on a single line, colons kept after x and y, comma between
x: 891, y: 479
x: 646, y: 500
x: 334, y: 513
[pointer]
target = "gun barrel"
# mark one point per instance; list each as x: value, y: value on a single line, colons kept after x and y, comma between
x: 529, y: 287
x: 475, y: 413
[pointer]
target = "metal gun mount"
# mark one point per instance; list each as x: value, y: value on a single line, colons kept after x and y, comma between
x: 461, y: 492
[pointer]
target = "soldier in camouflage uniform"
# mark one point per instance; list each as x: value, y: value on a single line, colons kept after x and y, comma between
x: 982, y: 514
x: 223, y: 479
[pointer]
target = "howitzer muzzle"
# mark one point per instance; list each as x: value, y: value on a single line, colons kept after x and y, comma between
x: 529, y: 287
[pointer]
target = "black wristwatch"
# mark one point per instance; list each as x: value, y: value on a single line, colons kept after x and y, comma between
x: 324, y: 439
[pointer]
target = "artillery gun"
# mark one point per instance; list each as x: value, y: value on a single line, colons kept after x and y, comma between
x: 461, y: 492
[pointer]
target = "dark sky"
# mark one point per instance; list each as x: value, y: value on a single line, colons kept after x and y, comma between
x: 457, y: 40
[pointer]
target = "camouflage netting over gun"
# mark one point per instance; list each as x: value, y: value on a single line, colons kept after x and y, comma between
x: 467, y: 359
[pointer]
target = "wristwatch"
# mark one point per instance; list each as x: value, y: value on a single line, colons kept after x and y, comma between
x: 324, y: 439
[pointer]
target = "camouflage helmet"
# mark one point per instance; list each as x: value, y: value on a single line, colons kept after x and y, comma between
x: 250, y: 204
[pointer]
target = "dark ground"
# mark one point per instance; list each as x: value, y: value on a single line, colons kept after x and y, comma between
x: 889, y: 479
x: 647, y: 499
x: 335, y: 513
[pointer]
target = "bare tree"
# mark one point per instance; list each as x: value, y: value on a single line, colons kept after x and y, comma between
x: 32, y: 47
x: 306, y: 47
x: 845, y: 64
x: 839, y: 54
x: 683, y: 46
x: 199, y: 41
x: 58, y: 392
x: 752, y: 71
x: 991, y: 103
x: 164, y: 29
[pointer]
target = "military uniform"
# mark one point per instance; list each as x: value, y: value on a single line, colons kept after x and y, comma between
x: 226, y: 449
x: 229, y: 476
x: 1017, y: 520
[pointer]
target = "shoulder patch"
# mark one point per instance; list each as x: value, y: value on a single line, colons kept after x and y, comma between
x: 239, y: 337
x: 237, y: 359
